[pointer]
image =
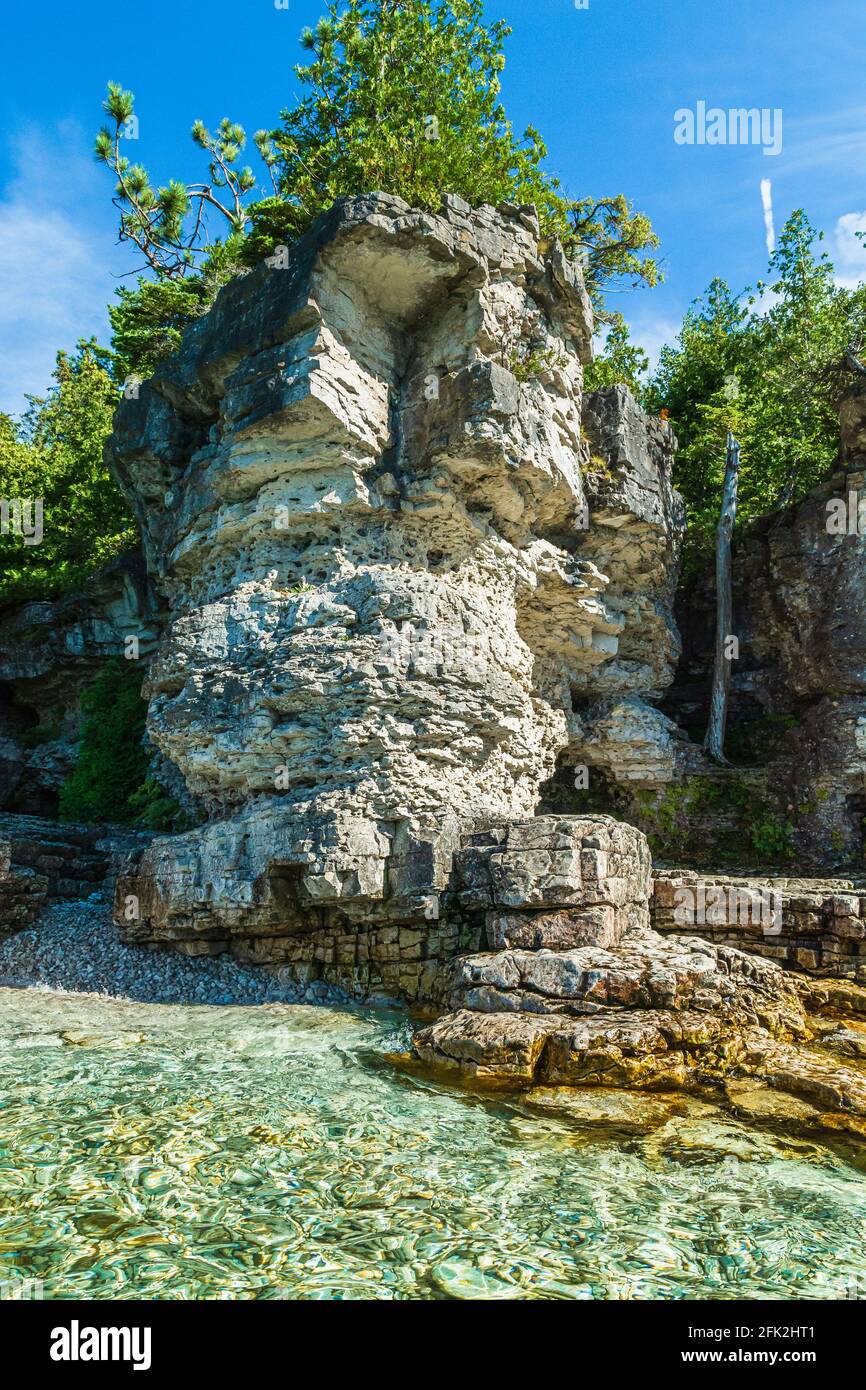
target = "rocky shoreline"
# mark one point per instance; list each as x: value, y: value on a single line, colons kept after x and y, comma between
x: 74, y: 948
x: 409, y: 644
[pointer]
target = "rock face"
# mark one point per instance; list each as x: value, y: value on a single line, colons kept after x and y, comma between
x: 398, y: 549
x: 71, y: 860
x: 555, y: 883
x: 817, y: 925
x: 582, y: 949
x: 564, y: 1000
x: 49, y: 653
x: 799, y: 688
x: 551, y: 880
x: 23, y: 893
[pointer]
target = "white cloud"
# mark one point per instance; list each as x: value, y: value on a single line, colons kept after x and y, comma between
x: 832, y: 141
x: 765, y: 301
x: 850, y: 256
x: 59, y: 265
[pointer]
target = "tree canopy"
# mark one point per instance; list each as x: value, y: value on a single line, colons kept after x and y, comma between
x: 55, y: 455
x: 769, y: 366
x: 402, y: 98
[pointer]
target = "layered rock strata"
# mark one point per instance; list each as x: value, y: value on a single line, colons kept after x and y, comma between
x: 72, y: 859
x: 575, y: 998
x: 816, y: 925
x: 23, y: 893
x: 408, y: 571
x: 556, y: 881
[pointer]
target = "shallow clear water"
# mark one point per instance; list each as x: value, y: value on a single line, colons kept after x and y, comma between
x: 160, y: 1151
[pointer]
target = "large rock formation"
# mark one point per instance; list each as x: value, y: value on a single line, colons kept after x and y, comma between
x: 575, y: 988
x: 398, y: 550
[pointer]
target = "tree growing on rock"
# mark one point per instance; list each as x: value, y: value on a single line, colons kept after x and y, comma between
x: 401, y: 98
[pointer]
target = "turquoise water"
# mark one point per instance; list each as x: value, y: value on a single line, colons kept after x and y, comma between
x: 276, y: 1152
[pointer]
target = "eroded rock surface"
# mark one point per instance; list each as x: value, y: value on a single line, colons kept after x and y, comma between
x: 816, y: 925
x: 396, y: 546
x: 410, y: 908
x: 622, y: 1005
x: 656, y: 1014
x: 23, y: 893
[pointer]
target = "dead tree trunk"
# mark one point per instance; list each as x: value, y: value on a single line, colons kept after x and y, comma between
x: 714, y: 743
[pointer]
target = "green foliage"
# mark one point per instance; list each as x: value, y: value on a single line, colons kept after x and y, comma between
x: 770, y: 837
x: 55, y: 454
x: 770, y: 374
x: 620, y: 362
x: 152, y: 808
x: 111, y: 781
x: 748, y: 828
x: 169, y: 224
x: 147, y: 322
x: 111, y: 763
x: 405, y: 98
x: 523, y: 349
x: 400, y: 98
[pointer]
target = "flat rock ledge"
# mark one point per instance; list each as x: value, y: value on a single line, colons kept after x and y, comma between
x: 637, y: 1009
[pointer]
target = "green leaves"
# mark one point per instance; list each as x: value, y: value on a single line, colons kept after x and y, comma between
x: 118, y: 104
x: 612, y: 241
x: 147, y: 322
x: 398, y: 97
x: 620, y: 362
x: 55, y: 454
x: 169, y: 225
x: 765, y: 365
x: 111, y: 780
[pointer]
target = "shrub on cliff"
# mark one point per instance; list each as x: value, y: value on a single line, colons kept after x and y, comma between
x: 111, y: 780
x: 54, y: 457
x: 398, y: 98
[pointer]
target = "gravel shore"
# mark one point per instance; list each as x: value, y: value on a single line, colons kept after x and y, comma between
x: 74, y: 948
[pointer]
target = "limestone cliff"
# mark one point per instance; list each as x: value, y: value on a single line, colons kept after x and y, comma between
x: 408, y: 570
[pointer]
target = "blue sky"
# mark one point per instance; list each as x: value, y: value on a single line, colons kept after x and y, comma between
x: 602, y: 84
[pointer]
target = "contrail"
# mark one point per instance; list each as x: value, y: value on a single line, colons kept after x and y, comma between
x: 767, y: 200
